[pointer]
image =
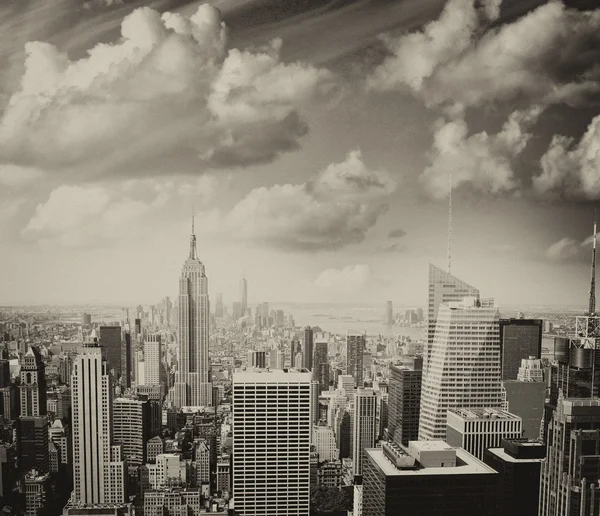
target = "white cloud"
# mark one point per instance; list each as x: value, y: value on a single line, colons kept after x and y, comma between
x: 168, y: 89
x: 14, y: 176
x: 349, y: 280
x: 572, y: 169
x: 94, y: 215
x: 565, y: 250
x: 335, y: 209
x: 482, y: 160
x: 549, y: 55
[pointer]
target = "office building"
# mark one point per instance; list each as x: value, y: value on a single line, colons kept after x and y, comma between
x: 86, y: 320
x: 224, y: 475
x: 127, y: 357
x: 404, y: 403
x: 346, y: 382
x: 355, y: 348
x: 364, y: 429
x: 475, y: 430
x: 571, y: 470
x: 98, y: 468
x: 32, y: 444
x: 271, y: 442
x: 464, y: 366
x: 131, y: 419
x: 33, y: 384
x: 219, y: 306
x: 388, y: 313
x: 243, y: 296
x: 428, y: 477
x: 38, y: 492
x: 168, y: 471
x: 192, y: 383
x: 330, y: 474
x: 518, y: 462
x: 257, y: 359
x: 307, y: 348
x: 152, y: 359
x: 295, y: 348
x: 154, y: 448
x: 444, y: 288
x: 343, y: 434
x: 173, y: 501
x: 110, y: 340
x: 320, y: 369
x: 519, y: 339
x: 324, y: 443
x: 201, y: 458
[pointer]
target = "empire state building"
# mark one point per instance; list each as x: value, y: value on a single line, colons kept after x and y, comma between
x: 192, y: 383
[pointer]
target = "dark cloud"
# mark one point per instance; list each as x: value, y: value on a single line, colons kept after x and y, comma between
x: 396, y: 233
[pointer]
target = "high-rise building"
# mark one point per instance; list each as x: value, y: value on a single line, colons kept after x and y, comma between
x: 257, y: 358
x: 243, y: 296
x: 571, y: 470
x: 355, y: 348
x: 86, y: 320
x: 320, y: 366
x: 476, y: 430
x: 519, y: 339
x: 325, y: 444
x: 152, y: 359
x: 404, y: 401
x: 271, y: 442
x: 98, y: 468
x: 127, y: 356
x: 428, y: 477
x: 346, y: 382
x: 307, y: 348
x: 443, y: 288
x: 33, y: 384
x: 110, y: 340
x: 192, y: 383
x: 294, y: 350
x: 518, y: 463
x: 364, y: 427
x: 131, y: 428
x: 464, y: 365
x: 219, y: 305
x: 389, y: 313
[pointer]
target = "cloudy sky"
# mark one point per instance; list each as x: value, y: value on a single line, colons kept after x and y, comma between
x: 315, y: 140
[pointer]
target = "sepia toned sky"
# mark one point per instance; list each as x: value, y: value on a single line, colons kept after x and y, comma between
x: 315, y: 141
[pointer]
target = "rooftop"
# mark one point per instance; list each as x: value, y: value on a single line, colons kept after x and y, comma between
x: 258, y: 375
x: 501, y: 453
x: 483, y: 413
x: 466, y: 464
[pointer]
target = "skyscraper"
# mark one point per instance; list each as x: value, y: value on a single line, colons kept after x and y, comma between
x: 110, y: 340
x: 365, y: 429
x: 519, y: 339
x: 443, y: 288
x: 98, y: 468
x: 192, y: 383
x: 131, y: 428
x: 405, y: 401
x: 464, y: 365
x: 307, y: 348
x: 320, y: 369
x: 33, y: 384
x: 243, y: 296
x: 571, y: 470
x: 355, y: 348
x: 152, y: 359
x: 271, y: 442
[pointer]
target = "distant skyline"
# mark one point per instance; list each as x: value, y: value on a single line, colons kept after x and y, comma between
x: 314, y: 141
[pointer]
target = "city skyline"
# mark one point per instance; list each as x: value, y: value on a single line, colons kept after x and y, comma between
x: 303, y: 214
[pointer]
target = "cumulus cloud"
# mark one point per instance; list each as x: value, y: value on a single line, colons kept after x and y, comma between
x: 565, y: 250
x: 350, y: 279
x: 169, y: 87
x: 549, y: 55
x: 572, y: 169
x: 334, y: 209
x: 93, y: 215
x: 482, y: 160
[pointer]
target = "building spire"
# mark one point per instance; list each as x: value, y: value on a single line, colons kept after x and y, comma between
x: 450, y: 225
x: 193, y: 250
x: 592, y: 304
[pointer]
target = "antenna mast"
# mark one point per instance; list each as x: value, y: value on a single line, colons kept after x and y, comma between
x: 592, y: 304
x: 450, y: 225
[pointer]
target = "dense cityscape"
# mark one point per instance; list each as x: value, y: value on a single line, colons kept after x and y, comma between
x: 187, y: 408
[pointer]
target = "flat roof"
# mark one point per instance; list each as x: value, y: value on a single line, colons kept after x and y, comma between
x: 499, y: 452
x: 257, y: 375
x: 430, y: 445
x: 466, y: 464
x: 483, y: 413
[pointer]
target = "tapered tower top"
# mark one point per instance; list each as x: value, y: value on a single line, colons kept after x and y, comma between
x: 193, y: 249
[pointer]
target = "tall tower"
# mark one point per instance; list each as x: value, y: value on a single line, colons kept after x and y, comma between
x: 592, y: 302
x: 464, y: 368
x: 364, y: 427
x: 98, y: 468
x: 152, y: 359
x: 192, y: 383
x: 33, y: 384
x: 271, y: 442
x: 355, y: 348
x: 307, y: 349
x: 243, y: 296
x: 443, y: 288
